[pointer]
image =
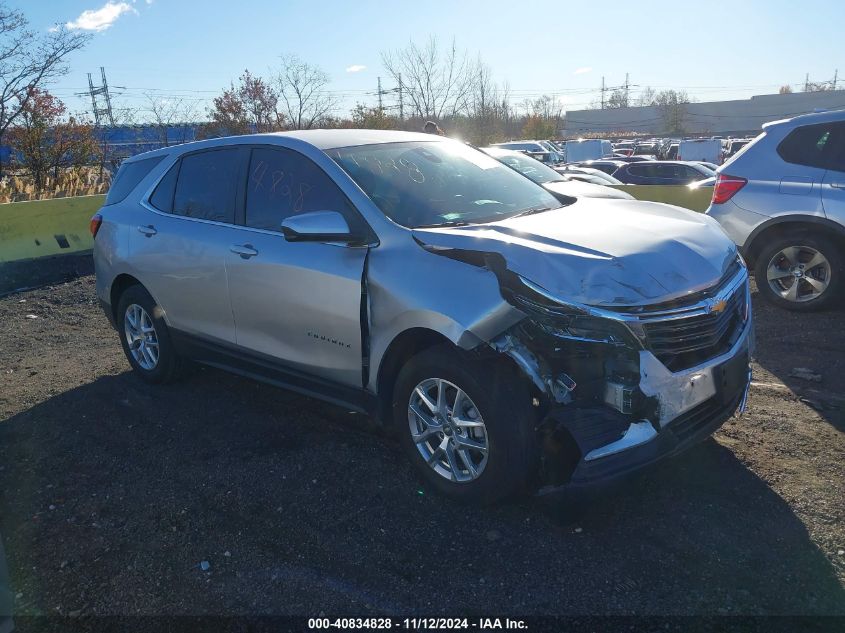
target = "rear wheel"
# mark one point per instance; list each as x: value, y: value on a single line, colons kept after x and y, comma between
x: 465, y: 425
x: 145, y: 337
x: 800, y: 273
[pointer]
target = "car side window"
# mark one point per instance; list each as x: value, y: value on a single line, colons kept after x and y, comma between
x: 837, y: 147
x: 810, y: 145
x: 207, y: 184
x: 162, y: 198
x: 281, y: 183
x: 128, y: 177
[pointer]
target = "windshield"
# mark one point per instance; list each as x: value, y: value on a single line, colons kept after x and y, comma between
x: 525, y: 165
x: 421, y: 183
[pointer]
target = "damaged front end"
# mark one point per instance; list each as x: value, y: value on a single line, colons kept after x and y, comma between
x: 616, y: 389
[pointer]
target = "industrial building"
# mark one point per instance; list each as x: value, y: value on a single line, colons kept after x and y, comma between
x: 721, y: 118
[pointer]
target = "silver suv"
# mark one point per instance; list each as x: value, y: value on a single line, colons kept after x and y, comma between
x: 781, y: 198
x: 511, y: 339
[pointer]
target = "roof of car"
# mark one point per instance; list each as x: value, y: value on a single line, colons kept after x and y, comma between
x: 321, y: 139
x: 812, y: 117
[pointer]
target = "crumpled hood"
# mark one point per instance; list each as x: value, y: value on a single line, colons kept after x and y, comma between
x: 603, y: 252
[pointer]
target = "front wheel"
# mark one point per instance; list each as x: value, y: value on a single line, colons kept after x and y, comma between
x: 466, y: 426
x: 800, y: 273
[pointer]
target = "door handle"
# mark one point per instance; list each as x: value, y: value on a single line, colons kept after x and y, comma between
x: 244, y: 250
x: 838, y: 185
x: 148, y: 230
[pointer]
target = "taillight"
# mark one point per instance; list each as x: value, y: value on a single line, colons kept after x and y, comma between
x: 95, y: 223
x: 726, y: 187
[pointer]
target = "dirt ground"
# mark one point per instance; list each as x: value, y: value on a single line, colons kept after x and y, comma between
x: 114, y: 495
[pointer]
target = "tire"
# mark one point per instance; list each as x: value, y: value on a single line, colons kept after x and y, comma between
x: 793, y: 253
x: 167, y: 363
x: 501, y: 401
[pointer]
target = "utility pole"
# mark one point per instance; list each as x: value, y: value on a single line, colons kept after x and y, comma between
x: 807, y: 82
x: 100, y: 113
x: 401, y: 100
x: 626, y: 91
x: 380, y: 108
x: 602, y: 92
x: 835, y: 77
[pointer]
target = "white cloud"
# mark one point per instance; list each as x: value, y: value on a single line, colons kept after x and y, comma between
x: 356, y: 68
x: 583, y: 70
x: 102, y: 18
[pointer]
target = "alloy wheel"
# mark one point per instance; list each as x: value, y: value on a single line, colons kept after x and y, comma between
x: 141, y: 336
x: 798, y: 273
x: 448, y: 430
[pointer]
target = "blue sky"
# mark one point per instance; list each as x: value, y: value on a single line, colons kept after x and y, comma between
x: 192, y: 49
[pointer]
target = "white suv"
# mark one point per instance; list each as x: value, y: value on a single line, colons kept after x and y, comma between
x: 781, y: 199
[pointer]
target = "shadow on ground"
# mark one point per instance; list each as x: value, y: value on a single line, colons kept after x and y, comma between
x: 114, y: 492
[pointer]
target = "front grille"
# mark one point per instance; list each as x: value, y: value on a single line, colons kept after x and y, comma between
x: 686, y: 341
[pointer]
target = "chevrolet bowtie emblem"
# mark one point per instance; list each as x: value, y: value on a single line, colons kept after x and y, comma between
x: 718, y: 306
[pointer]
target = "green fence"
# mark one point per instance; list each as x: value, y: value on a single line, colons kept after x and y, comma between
x: 29, y: 230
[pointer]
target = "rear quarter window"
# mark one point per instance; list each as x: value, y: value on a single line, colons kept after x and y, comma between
x: 128, y: 177
x: 812, y: 145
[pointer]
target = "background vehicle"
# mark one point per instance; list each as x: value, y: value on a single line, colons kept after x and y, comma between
x: 423, y: 282
x: 702, y: 150
x: 607, y: 166
x: 540, y: 148
x: 552, y: 180
x: 587, y: 149
x: 733, y: 145
x: 782, y: 200
x: 649, y: 150
x: 662, y: 172
x: 587, y: 174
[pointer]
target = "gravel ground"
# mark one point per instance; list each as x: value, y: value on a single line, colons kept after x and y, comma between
x: 113, y: 494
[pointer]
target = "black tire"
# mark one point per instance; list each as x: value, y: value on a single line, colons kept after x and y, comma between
x: 824, y: 245
x: 169, y: 364
x: 503, y: 400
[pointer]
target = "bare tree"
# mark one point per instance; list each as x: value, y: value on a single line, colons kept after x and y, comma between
x: 436, y: 83
x: 302, y: 93
x: 251, y: 106
x: 29, y: 61
x: 171, y: 115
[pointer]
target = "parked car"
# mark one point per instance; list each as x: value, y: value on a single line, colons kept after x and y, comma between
x: 554, y: 181
x: 672, y: 152
x: 534, y: 147
x: 702, y: 150
x: 732, y: 146
x: 587, y: 174
x: 623, y: 151
x: 633, y: 159
x: 587, y: 149
x: 510, y: 341
x: 649, y: 150
x: 711, y: 166
x: 661, y: 172
x: 607, y: 166
x: 782, y: 200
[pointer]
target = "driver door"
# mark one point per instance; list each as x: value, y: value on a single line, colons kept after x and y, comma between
x: 297, y: 303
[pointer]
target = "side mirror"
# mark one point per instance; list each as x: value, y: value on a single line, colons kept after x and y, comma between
x: 318, y: 226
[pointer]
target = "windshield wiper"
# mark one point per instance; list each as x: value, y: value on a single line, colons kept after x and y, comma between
x: 533, y: 210
x: 437, y: 225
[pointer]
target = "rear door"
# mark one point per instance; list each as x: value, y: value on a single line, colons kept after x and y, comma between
x: 180, y: 242
x: 298, y: 303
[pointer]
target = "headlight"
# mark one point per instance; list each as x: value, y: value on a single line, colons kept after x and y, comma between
x: 588, y: 329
